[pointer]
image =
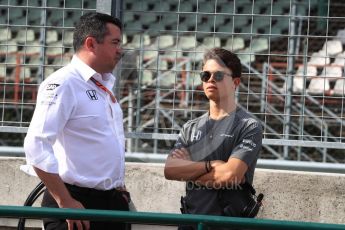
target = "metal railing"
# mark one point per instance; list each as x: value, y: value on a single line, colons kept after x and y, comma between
x: 201, y: 221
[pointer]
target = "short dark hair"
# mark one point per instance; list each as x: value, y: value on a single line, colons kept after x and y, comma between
x: 93, y: 24
x: 225, y: 58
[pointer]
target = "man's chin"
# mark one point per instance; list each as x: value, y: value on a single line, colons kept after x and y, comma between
x: 212, y: 97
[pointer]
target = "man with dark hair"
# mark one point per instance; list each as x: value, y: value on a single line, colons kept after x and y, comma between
x: 75, y: 142
x: 216, y: 154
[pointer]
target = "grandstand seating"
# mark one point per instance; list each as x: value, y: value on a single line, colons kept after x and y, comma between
x: 5, y: 34
x: 339, y: 87
x: 48, y: 71
x: 67, y: 37
x: 234, y: 43
x: 332, y: 47
x: 310, y: 71
x: 149, y: 54
x: 61, y: 60
x: 9, y: 46
x: 168, y: 79
x: 54, y: 3
x: 24, y: 73
x: 35, y: 61
x: 246, y: 57
x: 186, y: 42
x: 164, y: 41
x: 339, y: 60
x: 139, y: 40
x: 298, y: 84
x: 74, y: 4
x: 341, y: 36
x: 331, y: 72
x: 55, y: 48
x: 25, y: 35
x: 32, y: 47
x: 194, y: 80
x: 3, y: 71
x: 318, y: 85
x: 51, y: 36
x: 147, y: 77
x: 165, y: 32
x: 319, y: 58
x: 258, y: 45
x: 161, y: 6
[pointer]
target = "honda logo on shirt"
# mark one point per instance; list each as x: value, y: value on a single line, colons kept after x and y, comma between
x: 196, y: 135
x: 92, y: 94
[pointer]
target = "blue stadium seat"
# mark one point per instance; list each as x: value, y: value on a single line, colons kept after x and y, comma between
x: 206, y: 7
x: 128, y: 16
x: 139, y: 6
x: 73, y: 4
x: 227, y: 8
x: 240, y: 21
x: 169, y: 19
x: 192, y: 19
x: 227, y: 29
x: 184, y: 6
x: 33, y: 3
x: 53, y: 3
x: 261, y: 22
x: 248, y: 9
x: 156, y: 29
x: 161, y: 6
x: 34, y: 15
x: 54, y: 17
x: 90, y: 4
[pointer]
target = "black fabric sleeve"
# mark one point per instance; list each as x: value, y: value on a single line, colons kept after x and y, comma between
x: 249, y: 143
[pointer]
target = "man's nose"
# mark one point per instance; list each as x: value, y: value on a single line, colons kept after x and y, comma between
x: 211, y: 79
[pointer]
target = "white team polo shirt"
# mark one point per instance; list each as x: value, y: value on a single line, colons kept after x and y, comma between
x: 76, y: 130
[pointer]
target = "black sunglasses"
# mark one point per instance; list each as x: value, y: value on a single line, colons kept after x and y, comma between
x: 218, y: 75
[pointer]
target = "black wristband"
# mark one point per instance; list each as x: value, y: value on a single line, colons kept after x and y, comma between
x: 209, y: 166
x: 206, y: 167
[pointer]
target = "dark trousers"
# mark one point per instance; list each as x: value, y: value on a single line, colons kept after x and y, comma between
x: 91, y: 199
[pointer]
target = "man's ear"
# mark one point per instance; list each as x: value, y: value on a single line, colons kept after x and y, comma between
x: 237, y: 81
x: 90, y: 43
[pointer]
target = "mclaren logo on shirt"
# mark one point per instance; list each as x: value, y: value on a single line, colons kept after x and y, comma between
x: 92, y: 94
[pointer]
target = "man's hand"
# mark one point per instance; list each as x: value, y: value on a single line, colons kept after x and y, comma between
x: 224, y: 174
x: 181, y: 154
x: 58, y: 190
x: 216, y: 163
x: 80, y: 224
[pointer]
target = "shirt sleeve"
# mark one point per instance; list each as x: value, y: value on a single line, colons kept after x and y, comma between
x: 181, y: 141
x: 249, y: 143
x: 53, y: 108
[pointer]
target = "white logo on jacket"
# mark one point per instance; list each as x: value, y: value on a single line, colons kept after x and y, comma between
x: 196, y: 135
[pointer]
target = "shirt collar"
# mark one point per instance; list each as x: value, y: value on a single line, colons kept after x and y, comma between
x: 86, y: 72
